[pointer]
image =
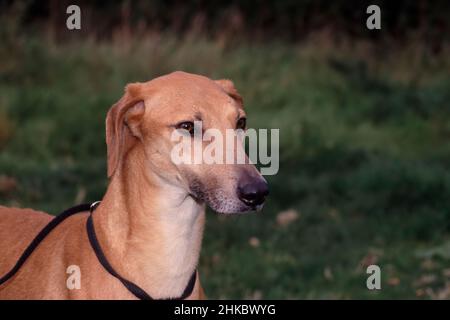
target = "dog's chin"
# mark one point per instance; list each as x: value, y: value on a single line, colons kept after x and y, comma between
x: 233, y: 207
x: 223, y: 203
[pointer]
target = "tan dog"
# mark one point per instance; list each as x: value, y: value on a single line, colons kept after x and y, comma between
x: 150, y: 221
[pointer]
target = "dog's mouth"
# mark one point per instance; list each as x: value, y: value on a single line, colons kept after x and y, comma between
x: 221, y: 203
x: 232, y: 206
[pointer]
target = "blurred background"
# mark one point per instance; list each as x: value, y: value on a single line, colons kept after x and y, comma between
x: 364, y: 118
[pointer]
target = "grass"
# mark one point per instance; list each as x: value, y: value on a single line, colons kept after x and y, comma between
x: 365, y: 154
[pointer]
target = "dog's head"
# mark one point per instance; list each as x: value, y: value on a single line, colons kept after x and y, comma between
x: 150, y: 113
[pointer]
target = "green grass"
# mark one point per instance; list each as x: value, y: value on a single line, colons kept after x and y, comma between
x: 365, y: 155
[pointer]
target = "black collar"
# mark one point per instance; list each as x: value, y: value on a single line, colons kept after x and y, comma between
x: 133, y: 288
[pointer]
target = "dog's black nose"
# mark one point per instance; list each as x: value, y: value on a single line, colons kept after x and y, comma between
x: 253, y: 194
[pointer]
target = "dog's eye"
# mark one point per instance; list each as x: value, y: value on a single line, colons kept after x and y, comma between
x: 188, y: 125
x: 241, y: 123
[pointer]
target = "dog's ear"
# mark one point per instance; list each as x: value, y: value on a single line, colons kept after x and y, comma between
x: 123, y: 126
x: 228, y: 87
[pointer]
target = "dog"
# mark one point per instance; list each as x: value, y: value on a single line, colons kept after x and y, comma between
x: 150, y: 221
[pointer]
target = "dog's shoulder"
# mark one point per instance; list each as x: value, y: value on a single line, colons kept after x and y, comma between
x: 18, y: 227
x: 23, y: 219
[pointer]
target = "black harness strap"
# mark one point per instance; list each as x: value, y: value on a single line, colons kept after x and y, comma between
x: 40, y: 236
x: 133, y: 288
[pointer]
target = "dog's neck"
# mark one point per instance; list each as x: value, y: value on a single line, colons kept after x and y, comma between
x: 151, y: 231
